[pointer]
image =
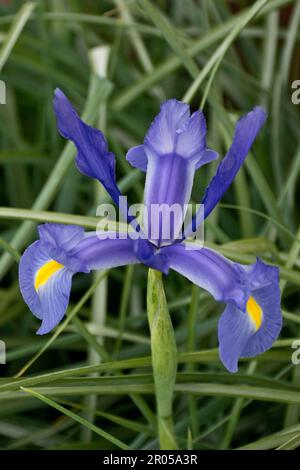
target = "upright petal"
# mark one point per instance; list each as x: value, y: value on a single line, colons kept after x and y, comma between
x: 175, y: 146
x: 245, y: 133
x: 161, y: 137
x: 191, y: 140
x: 169, y: 181
x: 93, y: 158
x: 137, y: 156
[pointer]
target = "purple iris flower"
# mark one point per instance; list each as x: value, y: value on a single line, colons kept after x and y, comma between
x: 173, y: 149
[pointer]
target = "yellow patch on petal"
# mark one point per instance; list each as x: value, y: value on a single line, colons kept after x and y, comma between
x: 255, y: 312
x: 45, y: 272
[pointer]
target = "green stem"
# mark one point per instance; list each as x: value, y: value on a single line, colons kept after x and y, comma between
x: 164, y: 358
x: 166, y: 433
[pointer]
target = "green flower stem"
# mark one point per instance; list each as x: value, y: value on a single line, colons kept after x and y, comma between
x: 164, y: 357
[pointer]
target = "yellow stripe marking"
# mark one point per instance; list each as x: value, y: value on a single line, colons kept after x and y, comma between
x: 255, y: 312
x: 45, y: 272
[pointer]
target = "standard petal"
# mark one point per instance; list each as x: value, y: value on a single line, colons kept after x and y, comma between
x: 188, y: 142
x: 191, y: 141
x: 175, y: 146
x: 169, y: 181
x: 245, y: 133
x: 162, y: 135
x: 93, y: 158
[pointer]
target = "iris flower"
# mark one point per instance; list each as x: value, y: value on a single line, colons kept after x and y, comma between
x: 173, y: 149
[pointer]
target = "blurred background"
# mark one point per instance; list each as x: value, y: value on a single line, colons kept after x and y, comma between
x: 117, y: 60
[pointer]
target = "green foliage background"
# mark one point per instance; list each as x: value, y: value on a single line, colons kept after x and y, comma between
x: 89, y: 384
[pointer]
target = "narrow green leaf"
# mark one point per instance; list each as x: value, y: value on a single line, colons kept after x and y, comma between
x: 163, y: 24
x: 223, y: 48
x: 14, y: 32
x: 77, y: 418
